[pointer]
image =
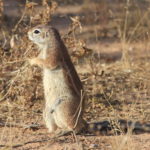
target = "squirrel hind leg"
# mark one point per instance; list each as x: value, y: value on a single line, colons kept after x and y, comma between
x: 49, y: 120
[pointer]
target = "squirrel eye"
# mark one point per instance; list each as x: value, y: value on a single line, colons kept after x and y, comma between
x: 36, y: 31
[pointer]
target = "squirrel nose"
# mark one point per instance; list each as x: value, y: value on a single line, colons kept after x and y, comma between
x: 28, y: 32
x: 29, y: 35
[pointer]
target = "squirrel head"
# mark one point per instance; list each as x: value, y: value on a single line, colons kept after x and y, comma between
x: 43, y: 35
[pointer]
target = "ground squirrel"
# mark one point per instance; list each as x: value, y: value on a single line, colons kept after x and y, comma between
x: 62, y: 87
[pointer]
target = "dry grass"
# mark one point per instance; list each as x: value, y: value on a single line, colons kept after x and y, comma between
x: 116, y: 87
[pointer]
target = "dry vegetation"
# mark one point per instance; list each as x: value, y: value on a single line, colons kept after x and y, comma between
x: 109, y: 44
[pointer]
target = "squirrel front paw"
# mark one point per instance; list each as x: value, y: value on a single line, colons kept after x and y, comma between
x: 32, y: 61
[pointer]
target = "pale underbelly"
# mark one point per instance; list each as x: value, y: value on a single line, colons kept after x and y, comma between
x: 59, y: 100
x: 55, y: 86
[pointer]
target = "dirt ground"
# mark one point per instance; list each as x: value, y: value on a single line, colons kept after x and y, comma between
x: 114, y: 70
